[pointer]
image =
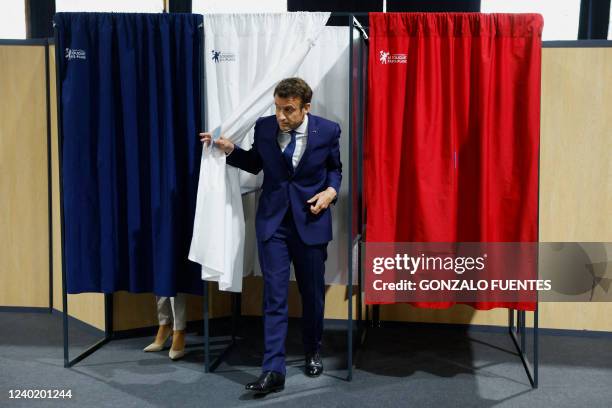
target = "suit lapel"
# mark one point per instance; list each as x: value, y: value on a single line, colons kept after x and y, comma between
x: 311, y: 131
x: 274, y: 139
x: 276, y: 150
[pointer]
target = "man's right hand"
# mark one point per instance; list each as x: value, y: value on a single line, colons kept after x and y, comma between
x: 222, y: 143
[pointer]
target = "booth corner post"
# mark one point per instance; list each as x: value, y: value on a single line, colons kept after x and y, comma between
x: 108, y: 298
x: 209, y: 364
x: 349, y: 283
x: 363, y: 53
x: 355, y: 173
x: 532, y: 371
x: 49, y: 174
x: 205, y: 288
x: 355, y: 133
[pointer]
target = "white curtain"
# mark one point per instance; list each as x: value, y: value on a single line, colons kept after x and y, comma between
x: 246, y: 56
x: 326, y: 70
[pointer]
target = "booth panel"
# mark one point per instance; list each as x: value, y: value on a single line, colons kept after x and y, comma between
x: 24, y: 237
x: 575, y: 182
x: 575, y: 166
x: 131, y: 311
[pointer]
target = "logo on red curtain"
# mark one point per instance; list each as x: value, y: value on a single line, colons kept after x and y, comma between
x: 387, y: 58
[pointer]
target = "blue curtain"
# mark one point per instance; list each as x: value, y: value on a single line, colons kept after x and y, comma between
x: 130, y: 153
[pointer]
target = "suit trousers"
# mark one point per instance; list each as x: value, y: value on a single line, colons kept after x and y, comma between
x: 275, y: 257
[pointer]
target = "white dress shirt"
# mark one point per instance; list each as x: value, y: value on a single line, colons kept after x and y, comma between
x: 301, y: 136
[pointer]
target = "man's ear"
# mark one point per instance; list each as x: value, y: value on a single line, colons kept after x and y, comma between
x: 307, y: 107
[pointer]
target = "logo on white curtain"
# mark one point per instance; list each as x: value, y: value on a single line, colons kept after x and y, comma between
x: 220, y: 56
x: 387, y: 58
x: 71, y: 53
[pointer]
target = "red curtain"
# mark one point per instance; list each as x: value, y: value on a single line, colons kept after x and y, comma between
x: 452, y: 142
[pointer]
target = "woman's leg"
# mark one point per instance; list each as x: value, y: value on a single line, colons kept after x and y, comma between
x: 165, y: 328
x: 177, y: 350
x: 178, y: 311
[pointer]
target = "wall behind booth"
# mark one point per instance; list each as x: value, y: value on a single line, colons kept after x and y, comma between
x: 24, y: 233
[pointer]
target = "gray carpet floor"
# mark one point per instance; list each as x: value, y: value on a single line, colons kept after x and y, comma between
x: 398, y: 367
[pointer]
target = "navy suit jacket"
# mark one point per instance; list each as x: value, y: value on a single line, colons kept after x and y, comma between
x: 319, y: 168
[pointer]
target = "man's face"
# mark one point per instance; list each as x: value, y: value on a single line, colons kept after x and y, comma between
x: 290, y: 112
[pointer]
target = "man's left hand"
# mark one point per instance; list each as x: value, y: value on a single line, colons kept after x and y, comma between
x: 322, y: 200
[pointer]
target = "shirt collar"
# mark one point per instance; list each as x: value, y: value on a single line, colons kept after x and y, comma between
x: 301, y: 130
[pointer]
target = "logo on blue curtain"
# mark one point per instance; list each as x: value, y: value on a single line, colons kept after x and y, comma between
x: 387, y: 58
x: 219, y: 56
x: 71, y: 53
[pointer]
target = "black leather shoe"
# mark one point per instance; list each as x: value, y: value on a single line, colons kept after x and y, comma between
x: 314, y: 365
x: 268, y: 381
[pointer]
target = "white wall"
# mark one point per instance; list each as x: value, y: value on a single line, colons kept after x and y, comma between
x: 118, y: 6
x: 239, y: 6
x: 12, y: 19
x: 560, y: 16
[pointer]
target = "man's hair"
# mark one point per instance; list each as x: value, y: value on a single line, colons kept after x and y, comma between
x: 294, y: 88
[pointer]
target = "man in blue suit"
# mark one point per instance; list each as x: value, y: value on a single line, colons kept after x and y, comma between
x: 300, y: 156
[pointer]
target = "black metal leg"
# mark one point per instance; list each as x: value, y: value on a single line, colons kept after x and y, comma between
x: 107, y: 332
x: 531, y: 371
x: 376, y: 316
x: 349, y: 340
x: 206, y: 330
x: 535, y: 348
x: 349, y: 324
x: 65, y: 328
x: 87, y: 352
x: 523, y: 334
x: 209, y: 364
x: 236, y: 311
x: 108, y: 316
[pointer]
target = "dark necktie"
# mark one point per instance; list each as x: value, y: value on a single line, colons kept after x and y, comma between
x: 289, y: 150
